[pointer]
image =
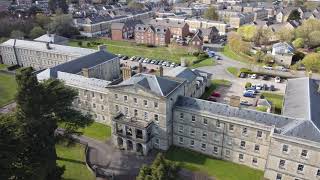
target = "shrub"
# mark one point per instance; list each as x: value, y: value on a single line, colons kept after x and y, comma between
x: 298, y: 43
x: 88, y: 44
x: 80, y: 43
x: 246, y: 70
x: 262, y: 108
x: 196, y: 53
x: 248, y: 84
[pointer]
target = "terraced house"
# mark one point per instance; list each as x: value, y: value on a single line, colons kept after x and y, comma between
x: 155, y: 112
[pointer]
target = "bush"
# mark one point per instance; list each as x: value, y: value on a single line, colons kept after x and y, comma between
x: 298, y: 43
x: 80, y: 43
x: 196, y: 53
x: 248, y: 84
x: 202, y: 56
x: 262, y: 108
x: 88, y: 44
x: 318, y: 49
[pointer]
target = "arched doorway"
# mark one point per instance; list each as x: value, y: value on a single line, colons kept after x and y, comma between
x: 120, y: 142
x: 129, y: 145
x: 139, y: 148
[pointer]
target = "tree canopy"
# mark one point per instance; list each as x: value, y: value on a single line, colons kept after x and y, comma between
x: 160, y: 169
x: 294, y: 15
x: 211, y: 14
x: 247, y: 32
x: 236, y: 43
x: 312, y: 62
x: 304, y: 31
x: 36, y: 32
x: 40, y: 107
x: 63, y: 26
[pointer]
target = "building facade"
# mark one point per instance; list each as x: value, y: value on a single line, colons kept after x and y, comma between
x: 148, y: 111
x: 152, y: 35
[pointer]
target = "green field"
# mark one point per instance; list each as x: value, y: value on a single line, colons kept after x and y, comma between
x: 97, y: 131
x: 219, y: 169
x: 8, y: 88
x: 214, y: 85
x: 206, y: 62
x: 236, y: 56
x: 276, y: 100
x: 233, y: 70
x: 132, y: 49
x: 73, y: 158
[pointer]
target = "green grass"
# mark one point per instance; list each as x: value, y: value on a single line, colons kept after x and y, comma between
x: 233, y: 70
x: 214, y: 85
x: 227, y: 51
x: 276, y: 100
x: 205, y: 62
x: 262, y: 108
x: 73, y: 158
x: 97, y: 131
x: 220, y: 169
x: 3, y: 66
x: 132, y: 49
x: 8, y: 88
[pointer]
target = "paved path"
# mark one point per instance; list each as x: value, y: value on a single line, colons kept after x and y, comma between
x: 8, y: 108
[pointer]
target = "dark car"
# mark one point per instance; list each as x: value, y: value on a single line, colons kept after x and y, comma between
x: 212, y: 99
x: 272, y: 88
x: 243, y: 75
x: 265, y: 87
x: 265, y: 77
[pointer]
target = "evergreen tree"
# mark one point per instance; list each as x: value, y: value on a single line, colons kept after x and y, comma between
x: 40, y: 107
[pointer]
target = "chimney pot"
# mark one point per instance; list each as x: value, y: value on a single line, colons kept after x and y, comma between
x: 102, y: 48
x: 161, y: 71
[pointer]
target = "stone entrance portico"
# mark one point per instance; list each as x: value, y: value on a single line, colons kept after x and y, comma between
x: 131, y: 134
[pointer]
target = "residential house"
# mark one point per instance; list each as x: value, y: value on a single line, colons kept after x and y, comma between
x: 236, y: 21
x: 283, y: 53
x: 196, y: 41
x: 177, y: 29
x: 125, y: 30
x: 152, y: 35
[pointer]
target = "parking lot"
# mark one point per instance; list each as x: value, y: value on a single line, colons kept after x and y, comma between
x: 237, y: 88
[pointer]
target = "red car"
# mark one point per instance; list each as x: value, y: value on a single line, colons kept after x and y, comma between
x: 215, y: 94
x: 212, y: 99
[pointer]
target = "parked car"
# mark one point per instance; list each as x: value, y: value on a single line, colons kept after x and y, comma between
x: 168, y: 64
x: 134, y: 67
x: 173, y: 65
x: 248, y: 94
x: 265, y: 87
x: 132, y: 58
x: 265, y: 77
x: 215, y: 94
x: 258, y: 87
x: 268, y: 67
x: 253, y: 76
x: 250, y: 91
x: 212, y: 99
x: 281, y: 68
x: 245, y: 103
x: 277, y: 79
x: 272, y: 88
x: 124, y: 58
x: 243, y: 75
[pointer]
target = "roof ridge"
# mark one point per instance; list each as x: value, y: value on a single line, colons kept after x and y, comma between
x: 309, y: 100
x: 156, y: 77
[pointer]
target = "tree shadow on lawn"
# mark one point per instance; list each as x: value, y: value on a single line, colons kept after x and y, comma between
x: 71, y: 160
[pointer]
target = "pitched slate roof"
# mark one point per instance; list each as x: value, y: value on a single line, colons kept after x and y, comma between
x: 75, y: 66
x: 302, y: 99
x: 182, y: 72
x: 54, y: 48
x: 161, y: 86
x: 269, y: 119
x: 305, y: 130
x: 51, y: 38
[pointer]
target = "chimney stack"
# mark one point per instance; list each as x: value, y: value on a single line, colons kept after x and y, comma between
x: 126, y: 73
x: 140, y: 68
x: 183, y: 62
x: 102, y: 48
x: 85, y: 72
x: 234, y: 101
x: 161, y: 71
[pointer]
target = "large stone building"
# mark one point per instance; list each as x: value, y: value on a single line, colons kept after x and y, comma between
x: 152, y: 35
x: 39, y: 55
x: 148, y: 111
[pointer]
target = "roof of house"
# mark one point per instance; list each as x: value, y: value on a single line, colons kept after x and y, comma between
x: 182, y: 72
x: 302, y: 99
x: 282, y: 47
x: 51, y: 38
x: 168, y: 23
x: 161, y: 86
x: 155, y: 29
x: 230, y: 111
x: 54, y: 48
x: 76, y: 65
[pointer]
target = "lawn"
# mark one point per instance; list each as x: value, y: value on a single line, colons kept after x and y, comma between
x: 73, y: 158
x: 276, y: 100
x: 220, y: 169
x: 8, y: 88
x: 132, y: 49
x: 206, y: 62
x: 233, y: 70
x: 236, y: 56
x: 214, y: 85
x: 97, y: 131
x: 3, y: 66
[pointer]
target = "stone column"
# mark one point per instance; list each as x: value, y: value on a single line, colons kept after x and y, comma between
x: 123, y: 130
x: 133, y: 132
